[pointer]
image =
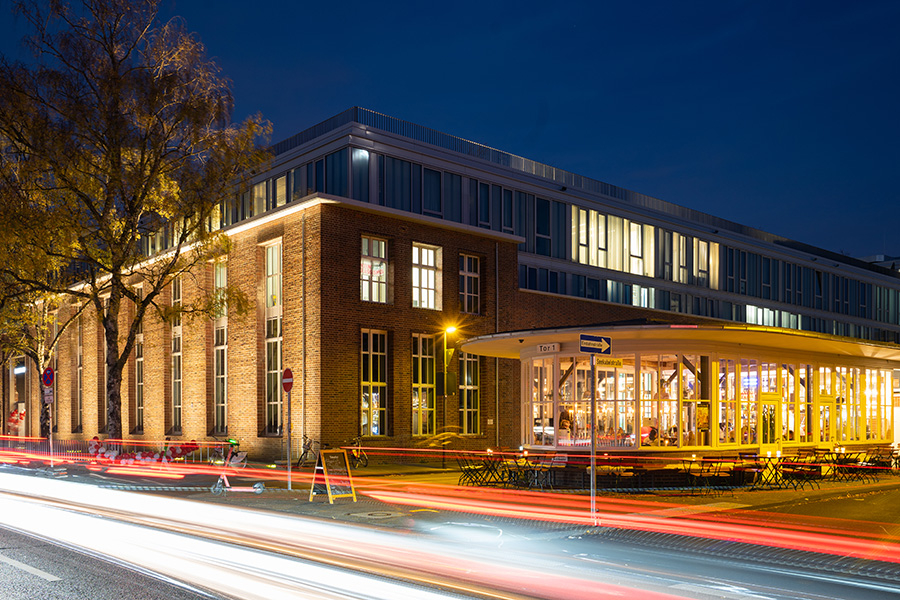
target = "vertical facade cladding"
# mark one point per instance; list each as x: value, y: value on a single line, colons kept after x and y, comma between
x: 369, y: 238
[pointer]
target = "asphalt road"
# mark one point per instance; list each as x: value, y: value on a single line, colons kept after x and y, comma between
x: 32, y: 569
x: 664, y: 562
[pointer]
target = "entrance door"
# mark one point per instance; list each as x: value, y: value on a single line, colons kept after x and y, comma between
x: 769, y: 426
x: 826, y: 421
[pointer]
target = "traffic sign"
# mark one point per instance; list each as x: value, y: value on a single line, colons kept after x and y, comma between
x: 47, y: 377
x: 595, y: 344
x: 48, y: 396
x: 287, y: 380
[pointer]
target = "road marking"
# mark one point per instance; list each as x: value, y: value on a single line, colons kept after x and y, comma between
x: 684, y: 511
x: 29, y: 569
x: 729, y: 592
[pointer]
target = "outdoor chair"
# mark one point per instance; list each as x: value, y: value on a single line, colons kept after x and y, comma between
x: 470, y: 472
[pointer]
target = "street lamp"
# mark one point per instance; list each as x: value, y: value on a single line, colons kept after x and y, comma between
x: 446, y: 386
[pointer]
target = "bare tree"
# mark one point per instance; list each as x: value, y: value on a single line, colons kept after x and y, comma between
x: 116, y: 150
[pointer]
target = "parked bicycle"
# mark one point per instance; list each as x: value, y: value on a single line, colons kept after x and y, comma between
x: 358, y: 457
x: 310, y: 451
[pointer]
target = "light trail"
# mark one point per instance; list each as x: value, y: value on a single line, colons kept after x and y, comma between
x: 380, y: 555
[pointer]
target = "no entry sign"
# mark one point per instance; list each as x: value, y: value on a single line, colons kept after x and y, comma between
x: 287, y: 380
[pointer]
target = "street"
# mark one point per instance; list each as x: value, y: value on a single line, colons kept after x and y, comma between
x: 350, y: 549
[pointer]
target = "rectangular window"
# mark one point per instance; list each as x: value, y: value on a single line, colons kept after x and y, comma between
x: 469, y: 396
x: 425, y: 268
x: 273, y: 376
x: 220, y: 281
x: 373, y: 383
x: 508, y: 220
x: 281, y: 191
x: 176, y: 383
x: 469, y: 284
x: 484, y: 205
x: 453, y: 197
x: 374, y: 270
x: 359, y: 169
x: 701, y: 263
x: 542, y: 226
x: 336, y: 177
x: 423, y: 384
x: 431, y: 193
x: 220, y: 386
x: 260, y: 198
x: 273, y: 276
x: 220, y: 350
x: 176, y: 354
x: 139, y: 386
x: 636, y: 249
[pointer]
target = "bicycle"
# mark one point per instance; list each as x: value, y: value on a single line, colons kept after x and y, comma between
x: 311, y: 449
x: 358, y: 457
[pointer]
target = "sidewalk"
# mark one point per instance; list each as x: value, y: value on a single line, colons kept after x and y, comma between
x: 278, y: 498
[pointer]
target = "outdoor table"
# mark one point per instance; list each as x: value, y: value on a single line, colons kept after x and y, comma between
x: 770, y: 474
x: 493, y: 470
x: 523, y: 473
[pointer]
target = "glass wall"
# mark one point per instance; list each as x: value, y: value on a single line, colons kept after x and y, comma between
x: 702, y: 400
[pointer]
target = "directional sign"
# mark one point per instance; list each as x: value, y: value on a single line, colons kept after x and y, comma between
x: 47, y: 377
x: 595, y: 344
x: 287, y: 380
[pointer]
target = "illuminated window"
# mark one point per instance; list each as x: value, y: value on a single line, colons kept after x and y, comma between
x: 220, y: 351
x: 469, y: 396
x: 374, y: 270
x: 425, y: 267
x: 373, y: 383
x: 636, y: 249
x: 423, y: 384
x: 273, y: 276
x: 273, y: 376
x: 176, y: 356
x: 139, y: 385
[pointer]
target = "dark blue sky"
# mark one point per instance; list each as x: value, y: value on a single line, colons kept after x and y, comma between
x: 780, y: 115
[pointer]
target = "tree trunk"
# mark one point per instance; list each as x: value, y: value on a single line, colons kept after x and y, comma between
x: 114, y: 368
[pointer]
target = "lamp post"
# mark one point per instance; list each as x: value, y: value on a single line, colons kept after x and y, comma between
x: 446, y: 360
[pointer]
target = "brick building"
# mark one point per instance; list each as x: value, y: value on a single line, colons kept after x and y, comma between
x: 417, y: 284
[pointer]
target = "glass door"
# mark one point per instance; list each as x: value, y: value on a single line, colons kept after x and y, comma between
x: 769, y: 426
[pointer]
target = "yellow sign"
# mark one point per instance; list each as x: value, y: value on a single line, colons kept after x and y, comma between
x: 608, y: 362
x: 335, y: 476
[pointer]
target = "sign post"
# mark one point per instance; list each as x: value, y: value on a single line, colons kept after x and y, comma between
x: 287, y: 382
x: 47, y: 379
x: 593, y: 345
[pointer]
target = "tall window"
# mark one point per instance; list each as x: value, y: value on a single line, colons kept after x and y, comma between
x: 139, y: 370
x: 701, y: 263
x: 139, y: 386
x: 636, y: 249
x: 374, y: 270
x: 469, y: 397
x: 423, y: 384
x: 373, y: 383
x: 273, y: 376
x: 424, y: 276
x: 220, y: 352
x: 469, y: 268
x: 79, y: 398
x: 273, y: 276
x: 176, y: 356
x: 273, y: 340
